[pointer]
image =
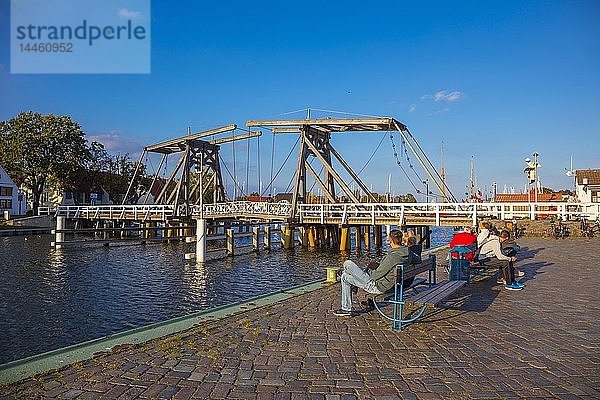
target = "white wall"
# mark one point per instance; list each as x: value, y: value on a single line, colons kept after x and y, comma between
x: 18, y: 207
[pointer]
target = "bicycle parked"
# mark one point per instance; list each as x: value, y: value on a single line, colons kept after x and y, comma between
x: 559, y: 230
x: 589, y: 229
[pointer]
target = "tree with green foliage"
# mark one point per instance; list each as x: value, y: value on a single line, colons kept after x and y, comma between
x: 41, y: 150
x: 115, y: 172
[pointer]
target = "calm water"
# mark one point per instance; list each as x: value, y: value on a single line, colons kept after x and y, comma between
x: 55, y: 298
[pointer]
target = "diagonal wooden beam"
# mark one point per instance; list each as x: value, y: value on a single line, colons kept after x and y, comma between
x: 316, y: 177
x: 351, y: 172
x: 164, y: 189
x: 167, y: 146
x: 330, y: 169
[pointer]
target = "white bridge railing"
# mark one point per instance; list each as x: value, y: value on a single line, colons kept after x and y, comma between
x: 473, y: 211
x: 344, y: 211
x: 245, y: 208
x: 135, y: 211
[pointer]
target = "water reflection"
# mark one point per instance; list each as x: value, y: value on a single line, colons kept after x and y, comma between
x: 54, y: 298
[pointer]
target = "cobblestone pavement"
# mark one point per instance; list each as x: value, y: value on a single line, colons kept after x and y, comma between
x: 487, y: 342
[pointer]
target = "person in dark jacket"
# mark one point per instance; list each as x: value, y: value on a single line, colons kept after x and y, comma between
x: 374, y: 281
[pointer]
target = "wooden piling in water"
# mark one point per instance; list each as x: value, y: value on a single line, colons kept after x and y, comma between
x: 267, y: 238
x: 59, y: 236
x: 321, y: 236
x: 367, y: 237
x: 229, y: 234
x: 287, y: 236
x: 200, y: 240
x: 255, y: 243
x: 377, y: 231
x: 345, y: 239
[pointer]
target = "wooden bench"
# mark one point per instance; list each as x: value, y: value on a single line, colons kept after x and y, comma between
x: 431, y: 296
x: 412, y: 270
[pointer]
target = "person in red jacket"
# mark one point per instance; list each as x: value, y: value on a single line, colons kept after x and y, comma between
x: 467, y: 239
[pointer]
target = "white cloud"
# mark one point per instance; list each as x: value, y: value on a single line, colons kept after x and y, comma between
x: 445, y: 95
x: 412, y: 108
x: 126, y: 14
x: 449, y: 96
x: 113, y: 142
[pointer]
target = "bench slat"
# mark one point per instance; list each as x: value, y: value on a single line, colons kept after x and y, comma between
x: 437, y: 293
x: 441, y: 295
x: 415, y: 269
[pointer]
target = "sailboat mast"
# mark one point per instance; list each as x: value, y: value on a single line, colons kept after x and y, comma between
x: 444, y: 199
x: 472, y: 178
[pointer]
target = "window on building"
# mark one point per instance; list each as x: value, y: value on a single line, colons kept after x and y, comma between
x: 5, y: 204
x: 596, y: 197
x: 6, y: 191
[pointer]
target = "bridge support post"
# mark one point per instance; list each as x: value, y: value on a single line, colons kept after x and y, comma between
x: 312, y: 236
x: 321, y: 236
x: 303, y: 236
x: 229, y: 235
x: 267, y: 238
x: 358, y: 237
x: 168, y: 230
x: 377, y: 235
x: 200, y: 240
x: 188, y: 230
x: 105, y: 233
x: 255, y: 230
x: 345, y: 239
x: 287, y: 236
x: 334, y: 234
x: 59, y: 236
x: 367, y: 237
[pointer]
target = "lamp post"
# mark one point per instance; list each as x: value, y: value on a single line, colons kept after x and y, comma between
x: 530, y: 172
x: 426, y: 183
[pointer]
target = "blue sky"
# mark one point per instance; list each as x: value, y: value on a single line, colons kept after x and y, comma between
x: 493, y: 80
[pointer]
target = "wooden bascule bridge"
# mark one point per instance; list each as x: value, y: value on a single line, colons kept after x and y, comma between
x: 192, y: 204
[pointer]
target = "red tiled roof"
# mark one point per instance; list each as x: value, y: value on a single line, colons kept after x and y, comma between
x: 592, y: 175
x: 525, y: 198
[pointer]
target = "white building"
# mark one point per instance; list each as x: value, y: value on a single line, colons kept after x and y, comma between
x: 587, y: 185
x: 11, y: 198
x: 587, y: 189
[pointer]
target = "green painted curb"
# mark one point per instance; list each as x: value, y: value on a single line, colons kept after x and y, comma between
x: 27, y: 367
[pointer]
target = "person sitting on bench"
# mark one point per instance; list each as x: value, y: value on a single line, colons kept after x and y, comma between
x: 374, y: 281
x: 490, y: 255
x: 467, y: 239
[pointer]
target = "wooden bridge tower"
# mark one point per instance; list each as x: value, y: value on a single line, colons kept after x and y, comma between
x: 196, y: 156
x: 315, y: 143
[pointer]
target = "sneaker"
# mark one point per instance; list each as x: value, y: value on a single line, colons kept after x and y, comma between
x: 519, y: 284
x: 513, y: 286
x: 520, y: 274
x: 342, y: 313
x: 500, y: 281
